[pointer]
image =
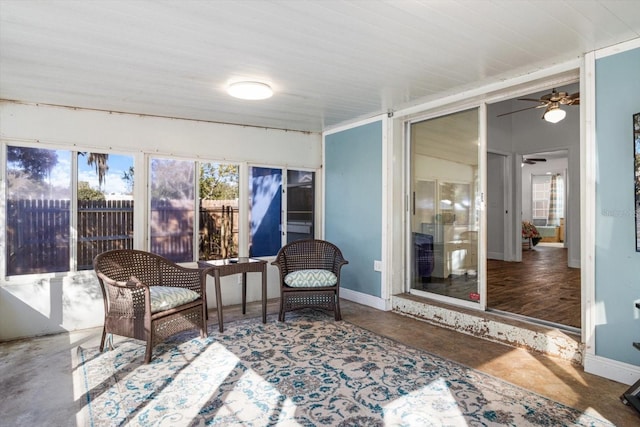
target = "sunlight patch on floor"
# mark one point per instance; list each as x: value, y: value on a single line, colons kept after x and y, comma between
x: 251, y: 399
x: 421, y: 408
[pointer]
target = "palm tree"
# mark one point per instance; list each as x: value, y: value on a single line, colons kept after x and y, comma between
x: 99, y: 160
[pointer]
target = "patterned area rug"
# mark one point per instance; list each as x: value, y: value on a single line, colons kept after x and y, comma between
x: 308, y: 371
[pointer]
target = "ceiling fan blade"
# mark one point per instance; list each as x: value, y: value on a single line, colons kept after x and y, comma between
x: 574, y: 99
x: 532, y: 160
x: 532, y: 99
x: 517, y: 111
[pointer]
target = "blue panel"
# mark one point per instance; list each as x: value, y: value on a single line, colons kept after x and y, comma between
x: 353, y: 203
x: 266, y: 212
x: 617, y: 264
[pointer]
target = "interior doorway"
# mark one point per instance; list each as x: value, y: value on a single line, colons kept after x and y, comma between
x: 498, y: 212
x: 536, y: 278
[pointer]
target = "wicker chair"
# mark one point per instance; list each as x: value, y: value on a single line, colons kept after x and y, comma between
x: 130, y: 280
x: 309, y: 276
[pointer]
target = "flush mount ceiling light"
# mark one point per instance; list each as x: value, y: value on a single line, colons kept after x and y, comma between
x: 554, y: 114
x: 250, y: 90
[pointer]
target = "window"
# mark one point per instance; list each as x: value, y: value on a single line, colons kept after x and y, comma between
x: 219, y: 213
x: 265, y: 211
x: 38, y: 210
x: 105, y: 205
x: 547, y: 199
x: 540, y: 197
x: 268, y: 229
x: 39, y: 218
x: 300, y: 205
x: 64, y: 207
x: 172, y: 212
x: 173, y: 209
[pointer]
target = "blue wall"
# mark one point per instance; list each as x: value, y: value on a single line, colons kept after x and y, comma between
x: 353, y: 203
x: 617, y: 264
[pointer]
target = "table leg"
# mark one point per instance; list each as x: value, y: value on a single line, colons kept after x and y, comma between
x: 264, y: 293
x: 218, y: 300
x: 244, y: 293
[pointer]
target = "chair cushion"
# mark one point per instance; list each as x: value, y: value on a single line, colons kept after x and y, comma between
x: 310, y: 279
x: 166, y: 297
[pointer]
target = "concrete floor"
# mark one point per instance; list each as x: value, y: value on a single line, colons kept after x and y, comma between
x: 37, y: 388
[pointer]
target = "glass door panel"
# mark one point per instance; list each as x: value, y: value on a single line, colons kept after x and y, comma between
x: 300, y: 205
x: 445, y: 215
x: 423, y: 232
x: 265, y: 211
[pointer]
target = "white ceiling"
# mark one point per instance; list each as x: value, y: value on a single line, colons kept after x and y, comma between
x: 329, y: 61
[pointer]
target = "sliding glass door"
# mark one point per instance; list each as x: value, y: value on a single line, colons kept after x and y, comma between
x: 445, y: 214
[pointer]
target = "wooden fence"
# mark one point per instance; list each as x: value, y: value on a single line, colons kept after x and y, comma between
x: 218, y: 234
x: 172, y: 224
x: 103, y: 225
x: 38, y: 232
x: 37, y: 236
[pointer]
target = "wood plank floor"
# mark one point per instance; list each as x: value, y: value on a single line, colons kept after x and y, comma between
x: 541, y: 286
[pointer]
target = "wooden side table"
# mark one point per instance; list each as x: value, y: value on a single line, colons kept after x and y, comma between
x: 226, y: 267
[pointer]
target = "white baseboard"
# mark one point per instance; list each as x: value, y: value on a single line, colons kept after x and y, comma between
x: 365, y: 299
x: 624, y: 373
x: 495, y: 255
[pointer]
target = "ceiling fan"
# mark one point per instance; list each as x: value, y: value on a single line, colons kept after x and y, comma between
x: 551, y: 102
x: 533, y: 160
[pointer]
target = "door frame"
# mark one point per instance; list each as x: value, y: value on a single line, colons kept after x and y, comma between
x: 556, y: 75
x: 480, y: 200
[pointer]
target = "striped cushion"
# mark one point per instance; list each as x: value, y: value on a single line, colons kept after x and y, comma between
x: 310, y: 279
x: 166, y: 297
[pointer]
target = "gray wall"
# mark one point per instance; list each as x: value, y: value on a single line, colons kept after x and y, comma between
x: 353, y: 203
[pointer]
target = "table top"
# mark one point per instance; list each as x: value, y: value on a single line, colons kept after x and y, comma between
x: 227, y: 261
x: 231, y: 265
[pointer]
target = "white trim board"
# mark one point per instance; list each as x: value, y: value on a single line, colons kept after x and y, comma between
x: 624, y: 373
x: 365, y: 299
x: 352, y: 125
x: 618, y: 48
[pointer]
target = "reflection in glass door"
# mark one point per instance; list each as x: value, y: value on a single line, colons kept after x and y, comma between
x: 446, y: 202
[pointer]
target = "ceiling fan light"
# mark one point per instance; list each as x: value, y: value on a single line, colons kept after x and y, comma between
x: 250, y: 90
x: 554, y: 114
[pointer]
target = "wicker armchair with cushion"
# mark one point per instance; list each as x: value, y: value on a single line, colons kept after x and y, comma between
x: 148, y: 297
x: 309, y: 276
